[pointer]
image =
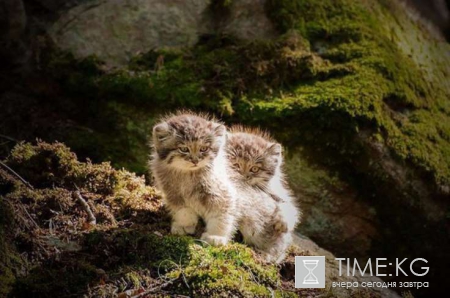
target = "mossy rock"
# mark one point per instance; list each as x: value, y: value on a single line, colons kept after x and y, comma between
x: 230, y: 270
x: 338, y: 69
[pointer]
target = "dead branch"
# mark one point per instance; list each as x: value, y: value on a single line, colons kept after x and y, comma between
x: 17, y: 175
x: 91, y: 217
x: 29, y: 215
x: 27, y: 184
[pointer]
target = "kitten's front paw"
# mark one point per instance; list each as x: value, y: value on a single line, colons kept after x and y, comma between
x: 190, y: 230
x: 214, y: 240
x: 274, y: 257
x: 177, y: 230
x: 182, y: 230
x: 268, y: 258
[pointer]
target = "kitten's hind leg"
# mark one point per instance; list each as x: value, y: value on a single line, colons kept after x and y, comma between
x: 184, y: 221
x: 277, y: 251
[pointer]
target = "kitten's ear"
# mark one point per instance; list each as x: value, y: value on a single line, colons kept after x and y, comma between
x: 161, y: 131
x: 274, y: 149
x: 219, y: 130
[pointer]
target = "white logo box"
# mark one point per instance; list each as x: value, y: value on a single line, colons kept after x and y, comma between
x: 309, y: 272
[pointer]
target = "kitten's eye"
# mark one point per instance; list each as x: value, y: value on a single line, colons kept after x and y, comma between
x: 254, y: 169
x: 183, y: 149
x: 204, y: 149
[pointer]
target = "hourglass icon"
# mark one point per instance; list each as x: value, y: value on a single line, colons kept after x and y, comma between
x: 310, y: 278
x: 310, y: 272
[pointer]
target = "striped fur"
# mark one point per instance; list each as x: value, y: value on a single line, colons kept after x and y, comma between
x: 251, y: 147
x: 190, y: 168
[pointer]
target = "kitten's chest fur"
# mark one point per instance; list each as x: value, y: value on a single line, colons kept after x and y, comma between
x: 188, y: 188
x: 184, y: 184
x: 192, y: 186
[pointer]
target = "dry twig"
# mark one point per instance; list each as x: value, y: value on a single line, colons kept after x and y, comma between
x: 154, y: 289
x: 17, y: 175
x: 29, y: 215
x: 91, y: 217
x: 27, y: 184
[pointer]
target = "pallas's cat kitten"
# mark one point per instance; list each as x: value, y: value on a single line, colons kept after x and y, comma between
x: 190, y: 168
x: 258, y: 159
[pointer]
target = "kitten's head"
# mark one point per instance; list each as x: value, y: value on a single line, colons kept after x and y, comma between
x: 187, y: 141
x: 253, y: 157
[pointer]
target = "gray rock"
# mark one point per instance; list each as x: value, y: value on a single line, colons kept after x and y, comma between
x: 116, y: 30
x: 334, y: 214
x: 248, y: 20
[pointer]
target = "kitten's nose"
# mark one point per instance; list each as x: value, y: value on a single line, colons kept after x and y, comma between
x: 194, y: 161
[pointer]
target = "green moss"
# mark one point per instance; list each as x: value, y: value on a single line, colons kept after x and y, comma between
x: 56, y: 278
x: 49, y: 164
x: 134, y: 278
x: 386, y: 83
x: 7, y: 279
x: 121, y: 136
x: 310, y: 180
x: 205, y: 270
x: 213, y: 271
x: 44, y: 165
x: 10, y: 261
x: 138, y: 248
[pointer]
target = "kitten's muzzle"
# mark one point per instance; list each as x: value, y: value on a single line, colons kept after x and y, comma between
x: 194, y: 161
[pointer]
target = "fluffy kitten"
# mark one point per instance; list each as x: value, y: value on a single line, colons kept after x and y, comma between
x: 257, y: 160
x: 259, y: 221
x: 254, y: 155
x: 190, y: 168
